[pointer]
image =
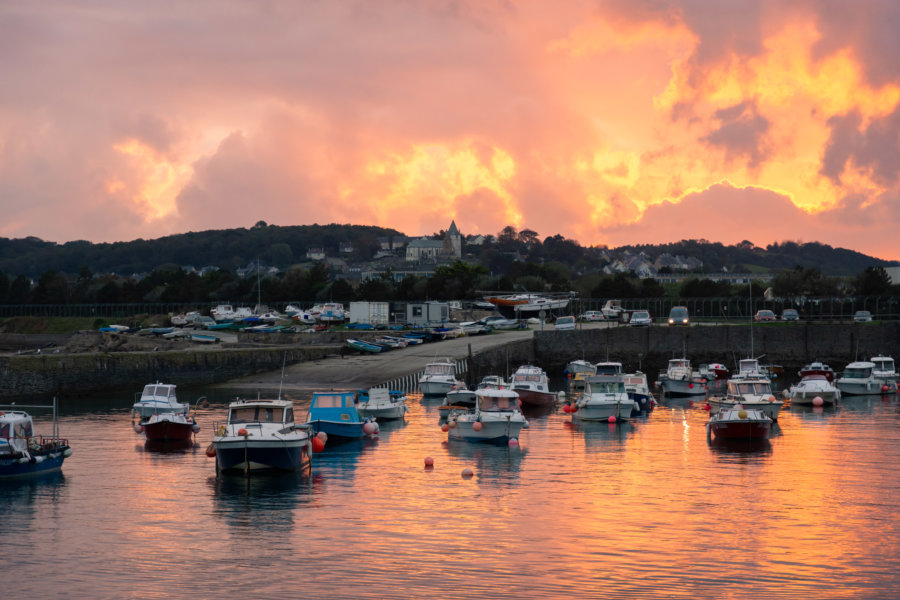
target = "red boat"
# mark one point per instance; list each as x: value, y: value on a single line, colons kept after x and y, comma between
x: 532, y: 386
x: 739, y: 423
x: 817, y: 368
x: 168, y: 427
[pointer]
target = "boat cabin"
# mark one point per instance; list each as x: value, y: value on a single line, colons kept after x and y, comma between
x: 333, y: 406
x: 858, y: 370
x: 605, y: 385
x: 608, y: 368
x: 439, y: 369
x: 15, y: 429
x: 884, y: 364
x: 525, y: 377
x: 497, y: 400
x: 260, y: 412
x: 749, y: 367
x: 159, y: 393
x: 739, y: 389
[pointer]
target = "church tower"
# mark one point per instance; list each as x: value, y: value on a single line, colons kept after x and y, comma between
x: 455, y: 240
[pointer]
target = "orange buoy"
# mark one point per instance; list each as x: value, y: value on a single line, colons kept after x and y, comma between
x: 211, y: 451
x: 317, y: 444
x: 243, y: 432
x: 445, y: 427
x: 429, y: 462
x: 476, y: 426
x: 467, y: 473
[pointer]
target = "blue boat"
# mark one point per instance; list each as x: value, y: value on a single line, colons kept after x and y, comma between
x: 364, y: 346
x: 24, y: 454
x: 335, y: 413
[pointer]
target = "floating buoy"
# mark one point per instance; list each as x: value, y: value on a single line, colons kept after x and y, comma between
x: 513, y: 442
x: 567, y: 408
x: 317, y: 444
x: 467, y: 473
x: 322, y: 436
x: 445, y: 428
x: 211, y: 451
x: 195, y: 428
x: 817, y: 401
x: 451, y: 424
x: 772, y: 399
x: 884, y: 388
x: 243, y: 432
x: 369, y: 428
x: 476, y: 426
x: 377, y: 426
x: 611, y: 419
x: 691, y: 386
x: 429, y: 462
x: 742, y: 414
x: 707, y: 407
x: 138, y: 428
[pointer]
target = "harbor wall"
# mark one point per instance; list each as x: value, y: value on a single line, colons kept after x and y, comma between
x: 81, y: 374
x: 650, y: 348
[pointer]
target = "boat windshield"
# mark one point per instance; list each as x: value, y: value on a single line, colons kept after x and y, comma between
x: 635, y: 380
x: 257, y: 414
x: 328, y: 401
x: 439, y: 370
x: 494, y: 404
x: 679, y: 364
x: 609, y: 368
x: 857, y: 372
x: 751, y: 387
x: 607, y: 387
x: 519, y: 378
x: 884, y: 364
x: 164, y: 391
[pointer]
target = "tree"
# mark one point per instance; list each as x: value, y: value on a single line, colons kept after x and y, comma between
x: 873, y: 281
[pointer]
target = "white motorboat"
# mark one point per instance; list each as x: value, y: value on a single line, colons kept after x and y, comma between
x: 858, y: 379
x: 496, y: 418
x: 329, y: 312
x: 608, y: 367
x: 459, y: 399
x: 812, y: 387
x: 750, y: 368
x: 157, y: 398
x: 680, y: 381
x: 222, y: 313
x: 886, y: 372
x: 533, y: 386
x: 752, y: 393
x: 739, y: 423
x: 260, y: 435
x: 383, y: 404
x: 439, y: 378
x: 604, y: 397
x: 493, y: 381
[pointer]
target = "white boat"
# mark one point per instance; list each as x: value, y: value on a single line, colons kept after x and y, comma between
x: 533, y: 386
x: 383, y: 404
x: 493, y: 381
x: 713, y: 371
x: 608, y: 367
x: 680, y: 381
x: 755, y: 393
x: 260, y: 435
x: 814, y: 386
x: 459, y: 399
x: 749, y: 367
x: 222, y: 313
x: 858, y: 379
x: 157, y: 398
x: 496, y: 418
x: 639, y: 390
x: 612, y: 310
x: 439, y: 378
x: 886, y: 372
x: 576, y: 372
x: 329, y: 312
x: 604, y: 397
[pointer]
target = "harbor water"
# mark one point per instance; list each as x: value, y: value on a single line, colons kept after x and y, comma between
x: 650, y: 508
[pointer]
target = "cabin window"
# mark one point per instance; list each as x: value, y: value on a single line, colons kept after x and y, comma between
x: 243, y: 415
x: 289, y: 415
x: 4, y: 430
x: 329, y: 401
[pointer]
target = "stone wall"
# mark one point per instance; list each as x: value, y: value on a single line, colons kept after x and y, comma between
x: 79, y: 374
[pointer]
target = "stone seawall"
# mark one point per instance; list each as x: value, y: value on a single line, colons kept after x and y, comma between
x: 791, y: 346
x: 80, y: 374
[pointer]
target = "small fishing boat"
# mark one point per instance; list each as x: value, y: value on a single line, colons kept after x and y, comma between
x: 639, y: 391
x: 382, y: 403
x: 335, y: 413
x: 203, y: 339
x: 713, y: 371
x: 858, y: 379
x: 459, y: 399
x: 260, y: 435
x: 749, y: 392
x: 817, y: 368
x: 576, y: 371
x: 604, y: 397
x: 496, y: 418
x: 739, y: 423
x: 438, y: 378
x: 886, y: 372
x: 24, y: 454
x: 363, y: 346
x: 493, y: 381
x: 532, y: 386
x: 168, y: 427
x: 680, y: 381
x: 157, y: 398
x: 814, y: 390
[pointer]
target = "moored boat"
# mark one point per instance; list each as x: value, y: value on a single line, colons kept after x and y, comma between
x: 639, y: 391
x: 459, y: 399
x: 168, y: 427
x: 604, y: 397
x: 24, y: 454
x: 739, y: 423
x: 382, y: 403
x: 532, y: 386
x: 335, y: 413
x: 261, y: 435
x: 495, y: 419
x: 858, y: 379
x: 680, y: 381
x: 576, y: 371
x: 157, y: 398
x: 817, y: 368
x: 751, y: 393
x: 814, y: 390
x: 364, y: 346
x: 438, y: 378
x: 886, y: 372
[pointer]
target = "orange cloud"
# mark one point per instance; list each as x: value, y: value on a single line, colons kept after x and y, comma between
x: 156, y: 180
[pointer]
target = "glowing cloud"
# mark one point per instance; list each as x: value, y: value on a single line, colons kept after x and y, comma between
x: 157, y: 180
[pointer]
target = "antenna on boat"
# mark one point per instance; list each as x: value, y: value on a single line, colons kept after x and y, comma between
x: 751, y: 316
x: 281, y: 383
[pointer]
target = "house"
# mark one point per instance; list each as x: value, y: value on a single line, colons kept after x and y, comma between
x: 315, y: 254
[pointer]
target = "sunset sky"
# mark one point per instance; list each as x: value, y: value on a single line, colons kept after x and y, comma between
x: 608, y: 122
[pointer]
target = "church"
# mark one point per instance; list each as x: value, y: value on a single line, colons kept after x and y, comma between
x: 450, y: 248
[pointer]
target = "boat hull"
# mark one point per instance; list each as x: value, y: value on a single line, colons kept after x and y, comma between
x: 602, y: 411
x: 806, y: 396
x: 384, y: 414
x: 33, y: 465
x: 492, y: 432
x: 678, y: 388
x: 770, y: 409
x: 859, y: 388
x: 168, y: 431
x: 740, y: 430
x: 240, y: 455
x: 435, y: 388
x: 339, y: 429
x: 536, y: 397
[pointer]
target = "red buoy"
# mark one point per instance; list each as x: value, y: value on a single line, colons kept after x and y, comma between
x: 317, y: 445
x: 211, y: 451
x: 611, y: 419
x: 445, y: 427
x: 476, y: 426
x: 243, y: 432
x: 429, y: 462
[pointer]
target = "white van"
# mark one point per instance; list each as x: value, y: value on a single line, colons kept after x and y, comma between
x: 564, y: 323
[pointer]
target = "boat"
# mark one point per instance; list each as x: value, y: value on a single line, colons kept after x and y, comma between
x: 604, y: 397
x: 24, y: 454
x: 168, y: 427
x: 886, y: 372
x: 612, y: 310
x: 813, y: 387
x: 817, y: 368
x: 364, y: 346
x: 438, y: 378
x: 608, y: 367
x: 739, y: 423
x: 157, y: 398
x: 751, y: 393
x: 496, y: 418
x: 329, y: 312
x: 382, y: 403
x: 713, y: 371
x: 261, y: 435
x: 679, y: 380
x: 858, y: 379
x: 639, y: 391
x: 222, y: 313
x: 750, y: 367
x: 335, y: 413
x: 203, y: 339
x: 575, y: 373
x: 493, y: 381
x: 532, y: 386
x: 459, y: 399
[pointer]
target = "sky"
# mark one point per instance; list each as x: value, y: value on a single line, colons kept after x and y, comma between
x: 607, y: 122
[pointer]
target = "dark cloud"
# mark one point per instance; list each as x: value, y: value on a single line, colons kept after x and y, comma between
x: 875, y: 147
x: 741, y: 133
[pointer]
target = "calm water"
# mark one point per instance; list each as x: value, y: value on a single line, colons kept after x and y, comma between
x: 647, y: 509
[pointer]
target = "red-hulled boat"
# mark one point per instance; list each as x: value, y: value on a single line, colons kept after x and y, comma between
x: 532, y: 386
x: 169, y: 427
x: 817, y: 368
x: 739, y: 423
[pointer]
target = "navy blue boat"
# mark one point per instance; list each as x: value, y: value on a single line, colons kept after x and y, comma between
x: 24, y: 454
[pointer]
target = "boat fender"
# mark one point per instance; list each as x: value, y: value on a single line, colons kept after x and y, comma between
x: 67, y: 452
x: 222, y: 430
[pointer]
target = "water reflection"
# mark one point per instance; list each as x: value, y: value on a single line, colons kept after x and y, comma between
x: 730, y: 448
x: 601, y: 435
x: 264, y: 502
x: 488, y: 461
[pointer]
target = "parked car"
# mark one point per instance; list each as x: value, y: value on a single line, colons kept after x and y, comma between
x: 790, y: 314
x: 862, y: 316
x: 565, y: 323
x: 592, y: 315
x: 764, y: 315
x: 640, y: 317
x: 679, y: 316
